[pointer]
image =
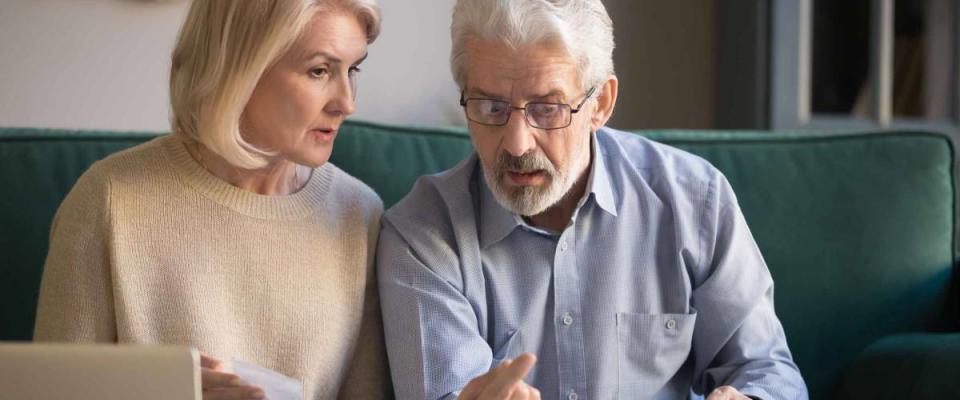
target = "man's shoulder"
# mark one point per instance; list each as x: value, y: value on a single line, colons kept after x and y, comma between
x: 428, y: 212
x: 434, y: 223
x: 672, y: 175
x: 440, y: 189
x: 647, y: 157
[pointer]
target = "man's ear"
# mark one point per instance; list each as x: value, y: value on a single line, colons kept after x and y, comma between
x: 606, y: 100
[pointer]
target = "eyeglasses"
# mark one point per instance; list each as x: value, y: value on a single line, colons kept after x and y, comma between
x: 545, y: 116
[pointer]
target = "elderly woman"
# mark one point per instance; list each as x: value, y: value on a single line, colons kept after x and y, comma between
x: 234, y: 234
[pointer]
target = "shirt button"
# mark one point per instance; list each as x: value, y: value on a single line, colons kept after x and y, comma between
x: 572, y: 396
x: 567, y: 319
x: 671, y: 324
x: 563, y: 245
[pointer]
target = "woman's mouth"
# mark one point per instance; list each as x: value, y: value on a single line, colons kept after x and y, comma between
x: 324, y: 134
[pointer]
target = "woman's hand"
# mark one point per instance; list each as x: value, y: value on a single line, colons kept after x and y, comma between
x: 221, y: 384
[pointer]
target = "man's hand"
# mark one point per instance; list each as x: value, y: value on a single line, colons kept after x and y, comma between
x: 504, y: 382
x: 220, y: 384
x: 726, y: 393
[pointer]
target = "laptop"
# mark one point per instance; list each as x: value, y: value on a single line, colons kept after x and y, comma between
x: 41, y: 371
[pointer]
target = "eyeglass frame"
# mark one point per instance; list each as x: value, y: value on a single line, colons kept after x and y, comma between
x: 573, y: 110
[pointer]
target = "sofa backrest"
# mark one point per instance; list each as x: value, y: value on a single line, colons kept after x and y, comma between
x: 857, y: 229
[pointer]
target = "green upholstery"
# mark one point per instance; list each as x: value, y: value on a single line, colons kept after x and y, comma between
x: 857, y: 229
x: 921, y: 366
x: 390, y: 159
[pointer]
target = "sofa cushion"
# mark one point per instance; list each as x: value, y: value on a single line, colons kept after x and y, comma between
x: 911, y: 366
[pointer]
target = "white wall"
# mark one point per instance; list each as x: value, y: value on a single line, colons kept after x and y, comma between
x: 407, y: 77
x: 104, y: 64
x: 86, y: 63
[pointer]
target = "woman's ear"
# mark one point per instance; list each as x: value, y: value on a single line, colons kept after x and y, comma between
x: 606, y: 100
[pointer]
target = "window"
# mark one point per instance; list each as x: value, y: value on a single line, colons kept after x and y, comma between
x: 861, y: 64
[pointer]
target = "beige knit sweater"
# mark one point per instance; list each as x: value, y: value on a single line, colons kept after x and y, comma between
x: 150, y: 248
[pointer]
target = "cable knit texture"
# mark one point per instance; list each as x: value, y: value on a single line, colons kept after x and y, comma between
x: 150, y: 248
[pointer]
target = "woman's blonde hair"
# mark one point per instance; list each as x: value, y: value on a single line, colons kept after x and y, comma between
x: 224, y: 47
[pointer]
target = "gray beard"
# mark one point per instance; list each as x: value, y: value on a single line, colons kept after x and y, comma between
x: 530, y: 200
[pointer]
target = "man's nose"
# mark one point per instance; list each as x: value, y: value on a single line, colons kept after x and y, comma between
x: 518, y: 136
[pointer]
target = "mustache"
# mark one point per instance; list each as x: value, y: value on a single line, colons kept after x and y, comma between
x: 532, y: 161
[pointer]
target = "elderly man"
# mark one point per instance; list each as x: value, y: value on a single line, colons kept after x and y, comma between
x: 566, y: 260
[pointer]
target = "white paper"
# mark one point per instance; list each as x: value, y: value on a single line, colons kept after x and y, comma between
x: 276, y: 386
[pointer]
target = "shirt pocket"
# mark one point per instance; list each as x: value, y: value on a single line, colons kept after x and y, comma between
x: 509, y: 348
x: 651, y: 349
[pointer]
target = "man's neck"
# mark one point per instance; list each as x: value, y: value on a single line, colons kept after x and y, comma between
x: 557, y: 217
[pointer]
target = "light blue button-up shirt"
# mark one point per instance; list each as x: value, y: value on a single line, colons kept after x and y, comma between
x: 655, y: 290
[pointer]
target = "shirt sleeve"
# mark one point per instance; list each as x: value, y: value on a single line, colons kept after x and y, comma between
x: 739, y: 340
x: 76, y: 300
x: 433, y: 340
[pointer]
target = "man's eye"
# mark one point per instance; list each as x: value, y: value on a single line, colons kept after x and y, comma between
x: 545, y: 109
x: 319, y: 72
x: 495, y: 107
x: 353, y: 71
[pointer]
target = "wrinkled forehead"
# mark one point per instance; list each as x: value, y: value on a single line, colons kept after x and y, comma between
x: 496, y: 69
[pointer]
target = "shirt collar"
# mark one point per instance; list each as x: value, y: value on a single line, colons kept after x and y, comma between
x: 599, y: 183
x: 496, y: 222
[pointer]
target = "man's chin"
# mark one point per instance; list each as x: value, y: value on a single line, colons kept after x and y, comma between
x: 526, y: 202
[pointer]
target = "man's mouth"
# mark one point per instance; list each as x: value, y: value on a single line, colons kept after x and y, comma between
x: 527, y: 178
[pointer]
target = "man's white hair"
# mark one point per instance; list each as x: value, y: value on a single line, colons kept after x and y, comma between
x: 582, y: 27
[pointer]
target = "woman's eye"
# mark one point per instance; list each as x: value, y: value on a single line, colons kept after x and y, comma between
x: 318, y: 72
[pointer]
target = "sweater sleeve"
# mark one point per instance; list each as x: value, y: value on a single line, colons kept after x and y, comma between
x: 76, y: 301
x: 368, y: 376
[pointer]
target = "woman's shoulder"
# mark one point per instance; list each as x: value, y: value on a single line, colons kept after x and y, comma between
x: 348, y: 190
x: 128, y: 164
x: 91, y: 194
x: 131, y: 163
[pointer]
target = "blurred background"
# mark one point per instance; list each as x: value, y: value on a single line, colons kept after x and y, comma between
x: 698, y: 64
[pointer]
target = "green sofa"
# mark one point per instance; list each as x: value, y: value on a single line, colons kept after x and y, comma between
x: 858, y: 231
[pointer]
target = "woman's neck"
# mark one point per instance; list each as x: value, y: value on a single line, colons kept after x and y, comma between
x: 280, y: 177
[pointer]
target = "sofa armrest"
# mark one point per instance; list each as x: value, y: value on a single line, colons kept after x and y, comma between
x: 909, y: 366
